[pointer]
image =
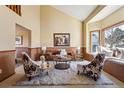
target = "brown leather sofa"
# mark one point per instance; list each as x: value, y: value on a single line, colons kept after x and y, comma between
x: 51, y: 52
x: 115, y: 67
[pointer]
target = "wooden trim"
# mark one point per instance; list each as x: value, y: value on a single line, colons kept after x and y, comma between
x: 91, y: 37
x: 34, y: 48
x: 22, y: 47
x: 102, y: 37
x: 4, y: 51
x: 100, y: 41
x: 7, y: 63
x: 87, y: 56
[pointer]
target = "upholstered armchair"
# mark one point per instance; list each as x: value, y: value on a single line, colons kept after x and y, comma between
x: 31, y: 68
x: 94, y: 68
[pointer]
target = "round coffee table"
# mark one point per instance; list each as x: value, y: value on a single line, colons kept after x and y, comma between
x: 62, y: 63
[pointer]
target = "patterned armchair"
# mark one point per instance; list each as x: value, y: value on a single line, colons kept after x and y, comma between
x: 31, y: 67
x: 94, y: 68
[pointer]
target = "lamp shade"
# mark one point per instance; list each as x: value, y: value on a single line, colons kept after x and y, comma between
x: 63, y: 52
x: 78, y: 48
x: 43, y: 48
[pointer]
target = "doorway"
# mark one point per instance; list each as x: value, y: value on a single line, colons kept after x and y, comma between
x: 22, y: 43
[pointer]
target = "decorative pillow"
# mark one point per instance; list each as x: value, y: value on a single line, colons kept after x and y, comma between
x: 118, y: 53
x: 114, y: 53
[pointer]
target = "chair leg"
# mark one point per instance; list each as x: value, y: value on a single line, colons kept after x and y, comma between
x: 78, y: 72
x: 29, y: 78
x: 47, y: 73
x: 95, y: 77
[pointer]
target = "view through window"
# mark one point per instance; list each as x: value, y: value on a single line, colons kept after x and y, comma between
x: 114, y: 36
x: 94, y: 35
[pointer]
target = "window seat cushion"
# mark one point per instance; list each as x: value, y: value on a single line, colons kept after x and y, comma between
x: 115, y: 67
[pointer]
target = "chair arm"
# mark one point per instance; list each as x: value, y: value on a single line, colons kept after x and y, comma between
x: 38, y: 63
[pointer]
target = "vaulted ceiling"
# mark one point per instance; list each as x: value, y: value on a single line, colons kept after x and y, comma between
x: 81, y: 12
x: 108, y: 10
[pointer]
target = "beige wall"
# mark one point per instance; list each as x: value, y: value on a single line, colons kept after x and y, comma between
x: 25, y: 33
x: 115, y: 17
x: 94, y: 26
x: 54, y: 21
x: 29, y: 19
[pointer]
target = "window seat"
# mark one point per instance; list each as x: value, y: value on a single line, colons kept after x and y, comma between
x: 115, y: 67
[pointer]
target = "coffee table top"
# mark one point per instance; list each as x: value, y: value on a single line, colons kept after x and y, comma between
x: 62, y: 58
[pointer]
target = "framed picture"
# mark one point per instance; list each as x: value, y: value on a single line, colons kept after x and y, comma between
x: 61, y: 39
x: 19, y: 40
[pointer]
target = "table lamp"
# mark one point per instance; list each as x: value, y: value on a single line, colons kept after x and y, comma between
x: 78, y: 50
x: 44, y: 50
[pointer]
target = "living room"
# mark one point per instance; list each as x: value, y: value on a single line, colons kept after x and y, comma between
x: 61, y: 37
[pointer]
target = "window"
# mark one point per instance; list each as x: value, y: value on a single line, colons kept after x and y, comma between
x: 94, y: 41
x: 114, y: 36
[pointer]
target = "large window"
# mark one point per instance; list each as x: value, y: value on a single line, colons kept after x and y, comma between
x: 94, y: 41
x: 114, y: 36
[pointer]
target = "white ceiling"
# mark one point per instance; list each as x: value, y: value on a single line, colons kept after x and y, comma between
x: 80, y: 12
x: 109, y: 9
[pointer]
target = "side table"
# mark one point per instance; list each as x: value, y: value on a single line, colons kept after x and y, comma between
x: 46, y: 68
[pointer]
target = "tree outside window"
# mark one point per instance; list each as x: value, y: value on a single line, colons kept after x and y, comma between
x: 114, y: 37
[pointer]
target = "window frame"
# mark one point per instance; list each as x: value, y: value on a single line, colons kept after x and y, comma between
x: 109, y: 27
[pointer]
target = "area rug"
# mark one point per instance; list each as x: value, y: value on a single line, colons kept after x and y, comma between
x: 64, y: 77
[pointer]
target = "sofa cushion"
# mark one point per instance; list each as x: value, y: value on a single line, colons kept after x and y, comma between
x: 116, y: 53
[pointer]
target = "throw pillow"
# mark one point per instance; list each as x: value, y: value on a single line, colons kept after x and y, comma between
x: 114, y: 53
x: 118, y: 53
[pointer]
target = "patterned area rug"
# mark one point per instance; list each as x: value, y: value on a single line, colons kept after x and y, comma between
x: 64, y: 77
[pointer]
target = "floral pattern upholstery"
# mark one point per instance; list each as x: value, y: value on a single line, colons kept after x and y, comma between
x: 94, y: 68
x: 30, y: 68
